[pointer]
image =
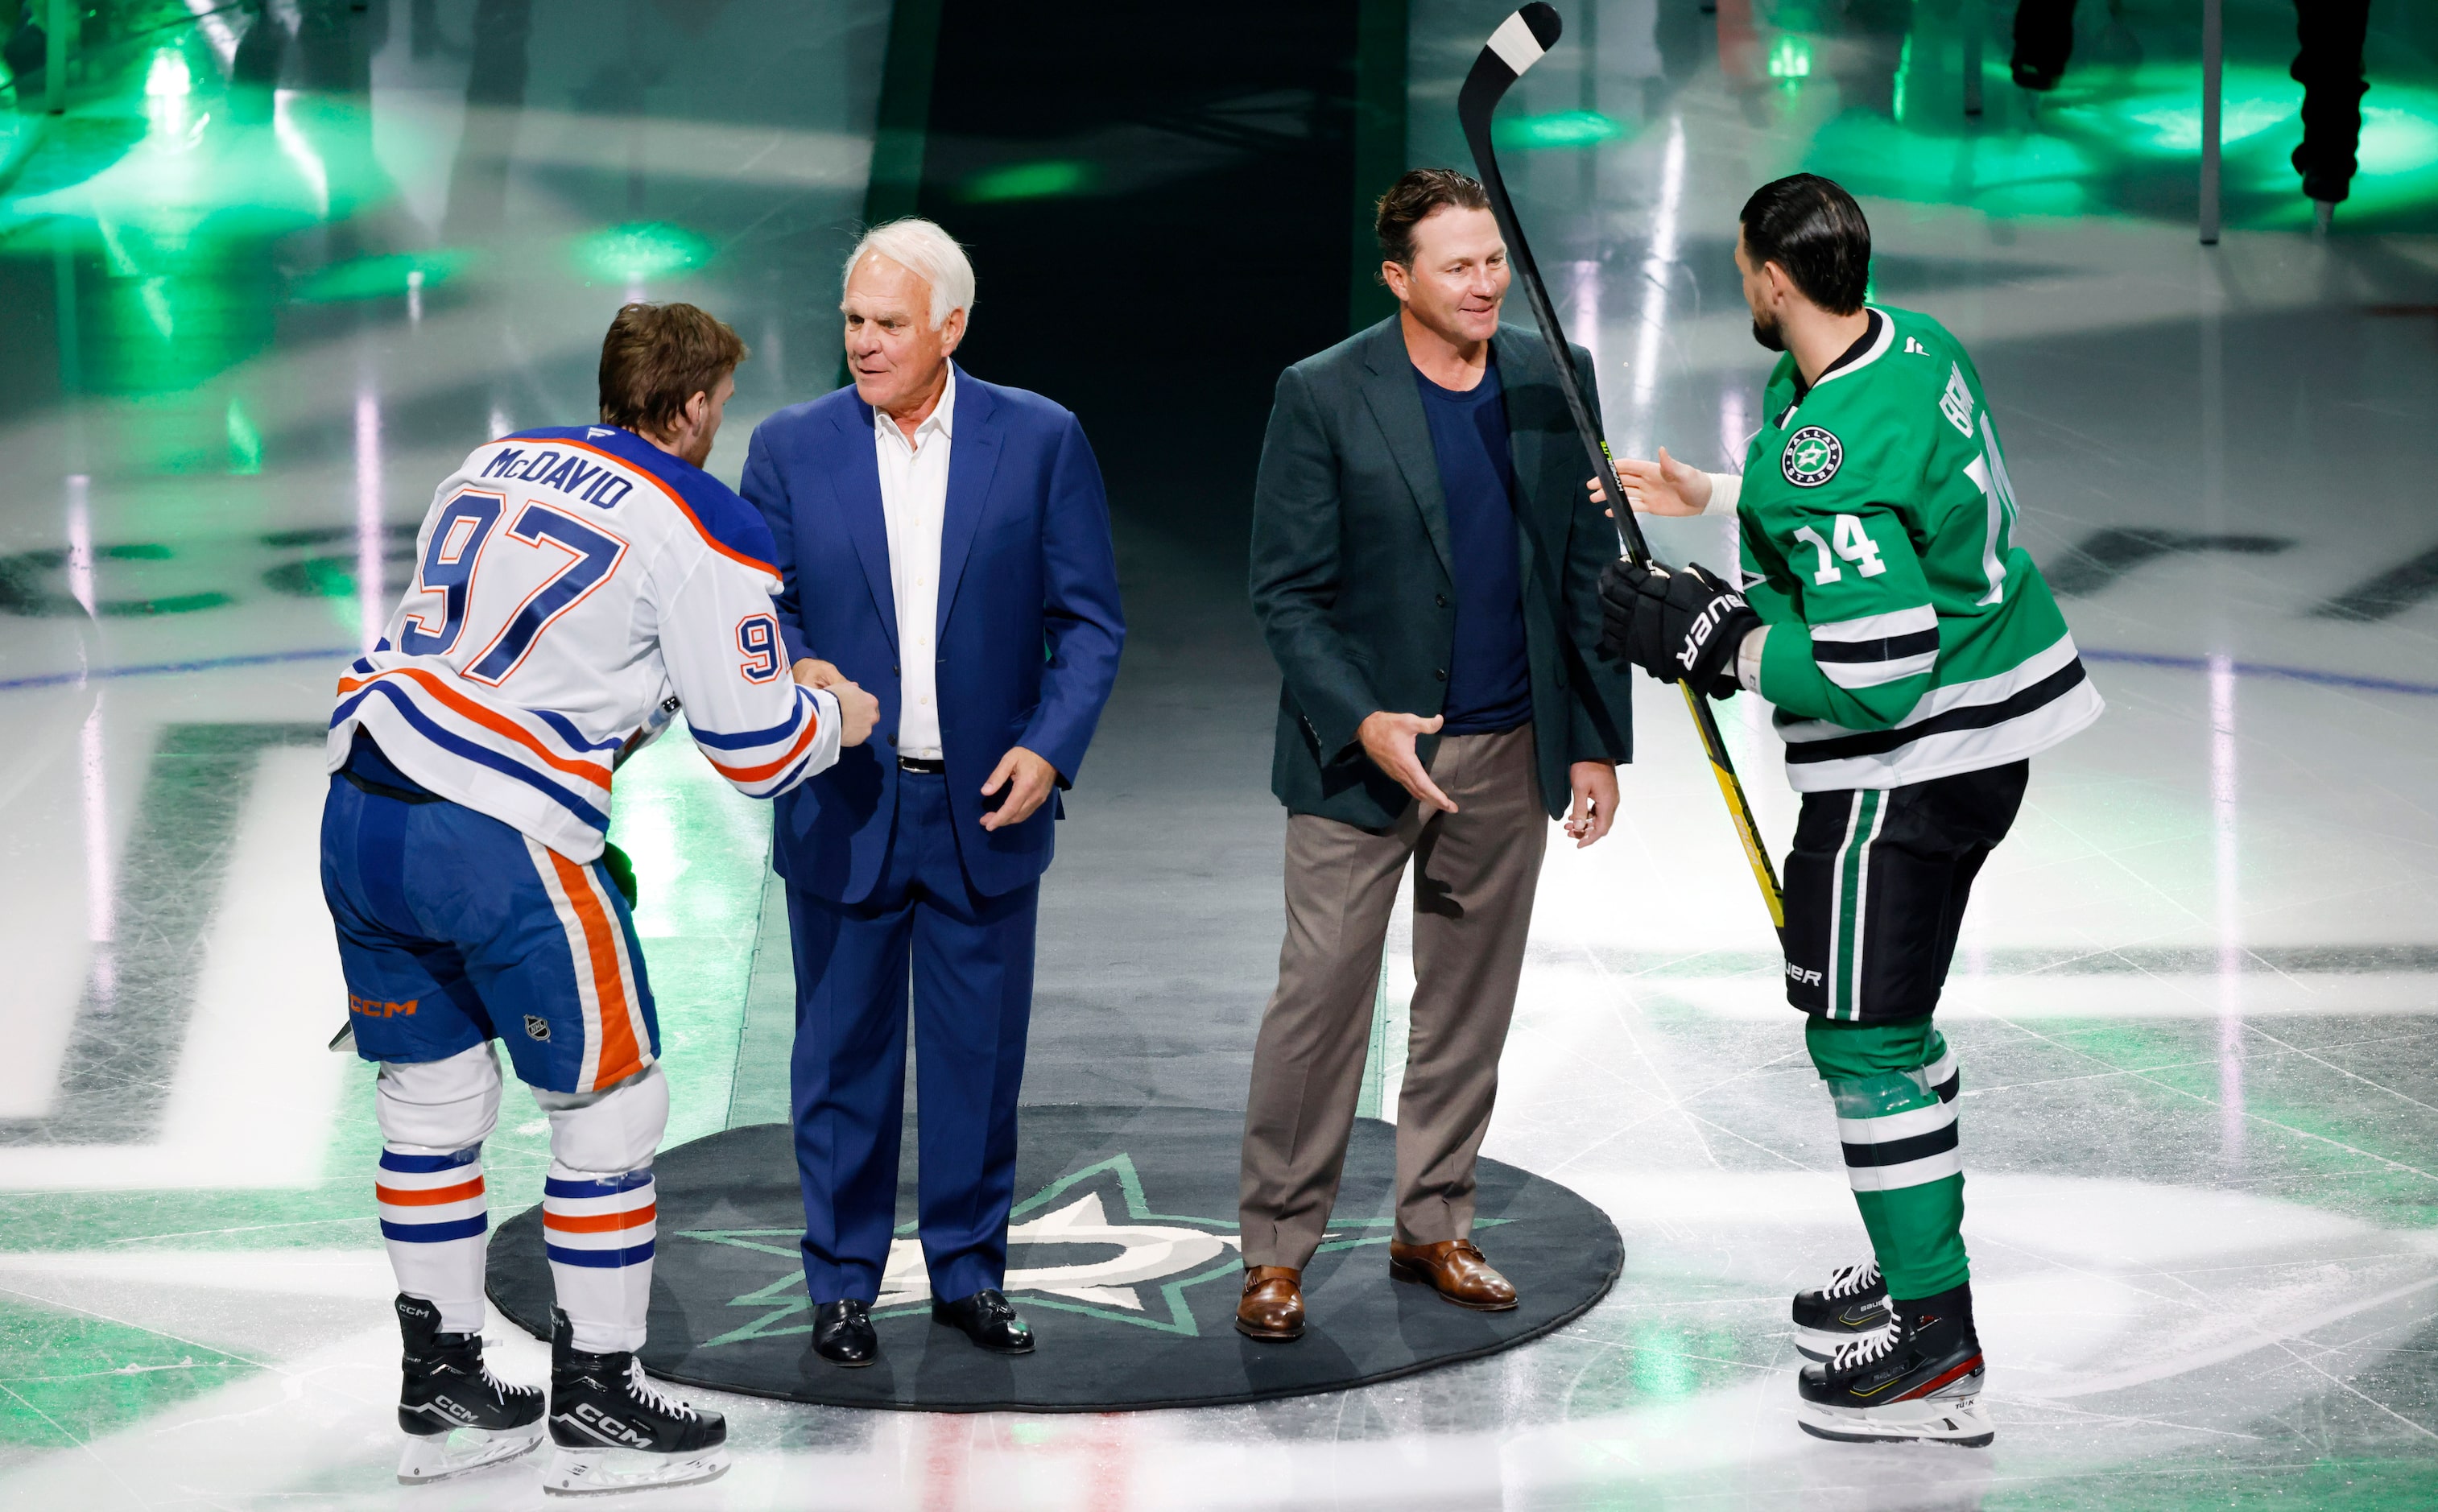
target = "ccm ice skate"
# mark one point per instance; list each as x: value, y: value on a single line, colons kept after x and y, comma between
x: 457, y: 1416
x: 614, y: 1431
x: 1851, y: 1303
x: 1916, y: 1377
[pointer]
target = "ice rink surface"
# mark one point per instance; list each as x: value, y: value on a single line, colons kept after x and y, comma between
x: 277, y: 269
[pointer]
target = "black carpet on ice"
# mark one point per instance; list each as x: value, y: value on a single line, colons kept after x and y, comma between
x: 1122, y: 1258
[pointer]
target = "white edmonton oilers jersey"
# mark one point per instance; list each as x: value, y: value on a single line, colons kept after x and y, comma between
x: 573, y: 588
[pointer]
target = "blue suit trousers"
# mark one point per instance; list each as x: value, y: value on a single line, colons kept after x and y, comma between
x: 969, y: 960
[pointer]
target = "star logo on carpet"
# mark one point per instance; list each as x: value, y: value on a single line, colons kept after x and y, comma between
x: 1090, y: 1242
x: 1124, y: 1254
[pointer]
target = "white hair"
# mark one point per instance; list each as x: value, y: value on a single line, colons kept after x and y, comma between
x: 929, y: 253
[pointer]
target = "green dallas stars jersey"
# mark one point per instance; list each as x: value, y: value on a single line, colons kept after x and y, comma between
x: 1911, y: 638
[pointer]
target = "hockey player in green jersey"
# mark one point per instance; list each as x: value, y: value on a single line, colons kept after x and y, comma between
x: 1917, y: 661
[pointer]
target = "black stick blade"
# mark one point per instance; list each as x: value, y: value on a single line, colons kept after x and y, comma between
x: 1521, y: 41
x: 1538, y: 19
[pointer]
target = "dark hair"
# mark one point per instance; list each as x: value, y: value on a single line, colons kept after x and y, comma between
x: 1413, y: 197
x: 656, y: 357
x: 1813, y: 229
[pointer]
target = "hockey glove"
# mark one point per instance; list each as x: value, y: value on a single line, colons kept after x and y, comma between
x: 1681, y: 626
x: 621, y: 874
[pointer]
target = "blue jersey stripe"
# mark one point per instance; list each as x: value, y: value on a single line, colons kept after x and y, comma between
x: 751, y: 738
x: 428, y: 1165
x: 568, y: 732
x: 599, y: 1260
x: 481, y: 755
x: 789, y: 780
x: 435, y: 1233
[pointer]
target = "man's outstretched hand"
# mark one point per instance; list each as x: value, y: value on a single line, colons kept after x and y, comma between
x: 1666, y: 486
x: 1028, y: 780
x: 1388, y: 739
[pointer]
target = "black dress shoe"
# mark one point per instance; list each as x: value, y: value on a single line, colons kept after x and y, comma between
x: 842, y: 1333
x: 986, y: 1319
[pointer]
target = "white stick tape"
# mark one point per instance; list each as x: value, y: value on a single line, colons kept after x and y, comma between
x: 1515, y: 45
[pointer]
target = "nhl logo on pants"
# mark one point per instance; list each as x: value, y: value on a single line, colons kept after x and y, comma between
x: 536, y: 1027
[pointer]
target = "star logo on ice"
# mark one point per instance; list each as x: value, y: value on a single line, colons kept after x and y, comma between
x: 1811, y: 457
x: 1087, y: 1243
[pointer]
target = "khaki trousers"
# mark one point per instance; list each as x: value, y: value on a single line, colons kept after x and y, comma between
x: 1475, y: 871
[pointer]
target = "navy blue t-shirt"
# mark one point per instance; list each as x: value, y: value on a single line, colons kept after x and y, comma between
x: 1490, y: 684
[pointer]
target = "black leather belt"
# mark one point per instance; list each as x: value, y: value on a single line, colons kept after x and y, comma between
x: 930, y: 765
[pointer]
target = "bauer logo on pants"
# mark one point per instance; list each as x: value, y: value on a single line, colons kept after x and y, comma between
x: 1810, y: 458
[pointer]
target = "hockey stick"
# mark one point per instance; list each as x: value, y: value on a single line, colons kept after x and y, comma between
x: 1519, y: 42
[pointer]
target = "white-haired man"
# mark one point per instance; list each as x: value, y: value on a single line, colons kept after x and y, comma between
x: 945, y: 542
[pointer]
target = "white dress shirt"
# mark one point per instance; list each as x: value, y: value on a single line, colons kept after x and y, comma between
x: 913, y: 499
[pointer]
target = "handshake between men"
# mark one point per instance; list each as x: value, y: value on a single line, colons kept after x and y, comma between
x: 1026, y: 777
x: 857, y: 710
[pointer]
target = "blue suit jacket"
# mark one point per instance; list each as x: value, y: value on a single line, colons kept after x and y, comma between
x: 1029, y: 628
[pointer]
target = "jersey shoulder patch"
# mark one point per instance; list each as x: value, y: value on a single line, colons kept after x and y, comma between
x: 1810, y: 456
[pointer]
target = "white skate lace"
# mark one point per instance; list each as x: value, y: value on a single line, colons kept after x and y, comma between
x: 640, y: 1387
x: 1851, y: 1280
x: 1866, y: 1349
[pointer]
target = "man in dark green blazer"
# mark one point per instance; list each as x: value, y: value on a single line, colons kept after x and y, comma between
x: 1425, y: 566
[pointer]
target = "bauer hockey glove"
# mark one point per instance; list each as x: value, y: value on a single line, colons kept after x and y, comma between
x: 1681, y: 626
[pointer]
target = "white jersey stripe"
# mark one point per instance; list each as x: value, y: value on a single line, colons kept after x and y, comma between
x: 1872, y: 674
x: 1954, y: 695
x: 1878, y: 627
x: 1963, y: 751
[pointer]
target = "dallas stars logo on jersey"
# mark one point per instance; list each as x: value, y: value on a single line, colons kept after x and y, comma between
x: 1912, y: 639
x: 1810, y: 457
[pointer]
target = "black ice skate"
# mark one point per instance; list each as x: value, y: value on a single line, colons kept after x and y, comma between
x: 457, y: 1416
x: 614, y: 1431
x: 1851, y: 1303
x: 1918, y: 1377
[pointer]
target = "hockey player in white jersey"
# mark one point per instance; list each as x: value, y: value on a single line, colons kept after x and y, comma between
x: 574, y: 588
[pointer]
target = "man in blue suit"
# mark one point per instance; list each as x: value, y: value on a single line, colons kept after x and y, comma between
x: 945, y: 542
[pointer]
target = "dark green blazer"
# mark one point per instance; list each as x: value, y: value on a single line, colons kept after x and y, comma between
x: 1351, y: 574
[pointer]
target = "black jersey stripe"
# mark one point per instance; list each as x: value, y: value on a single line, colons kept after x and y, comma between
x: 1971, y: 716
x: 1903, y: 1152
x: 1890, y: 649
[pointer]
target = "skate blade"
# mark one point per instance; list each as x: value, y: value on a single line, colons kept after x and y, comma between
x: 444, y: 1455
x: 1964, y: 1423
x: 1820, y: 1344
x: 600, y: 1471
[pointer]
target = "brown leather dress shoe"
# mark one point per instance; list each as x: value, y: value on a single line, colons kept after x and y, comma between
x: 1454, y: 1268
x: 1272, y: 1306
